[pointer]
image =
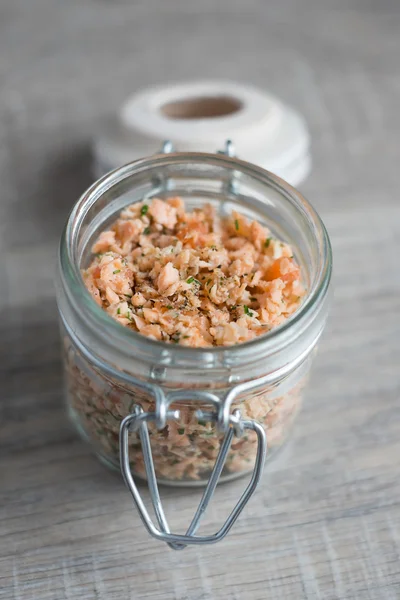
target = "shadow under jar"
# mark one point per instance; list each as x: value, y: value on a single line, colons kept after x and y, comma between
x: 113, y: 372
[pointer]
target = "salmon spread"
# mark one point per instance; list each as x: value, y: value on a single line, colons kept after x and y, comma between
x: 193, y: 278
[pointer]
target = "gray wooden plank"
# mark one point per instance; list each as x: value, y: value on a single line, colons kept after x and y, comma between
x: 326, y: 522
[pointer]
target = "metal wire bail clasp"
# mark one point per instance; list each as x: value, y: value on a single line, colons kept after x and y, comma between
x: 232, y: 425
x: 229, y: 150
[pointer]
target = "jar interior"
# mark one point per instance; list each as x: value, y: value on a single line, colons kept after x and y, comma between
x: 227, y: 184
x: 105, y: 362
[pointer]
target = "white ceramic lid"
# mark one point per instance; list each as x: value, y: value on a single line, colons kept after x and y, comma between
x: 201, y: 116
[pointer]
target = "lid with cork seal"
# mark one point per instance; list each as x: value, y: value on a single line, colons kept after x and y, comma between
x: 200, y: 116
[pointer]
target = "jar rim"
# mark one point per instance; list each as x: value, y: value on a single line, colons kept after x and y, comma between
x: 268, y: 342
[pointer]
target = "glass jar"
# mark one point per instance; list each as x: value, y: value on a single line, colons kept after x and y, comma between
x: 123, y: 390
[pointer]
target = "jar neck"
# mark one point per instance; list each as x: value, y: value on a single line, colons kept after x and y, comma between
x: 200, y: 177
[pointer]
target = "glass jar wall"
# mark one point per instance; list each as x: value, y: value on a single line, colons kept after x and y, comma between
x: 107, y: 366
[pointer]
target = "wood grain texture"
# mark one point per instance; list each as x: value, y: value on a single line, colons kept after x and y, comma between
x: 326, y: 521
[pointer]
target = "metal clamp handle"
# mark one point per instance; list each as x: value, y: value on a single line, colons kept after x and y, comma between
x: 137, y: 421
x: 230, y: 424
x: 229, y: 150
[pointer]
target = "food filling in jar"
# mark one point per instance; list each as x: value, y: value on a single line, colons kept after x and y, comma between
x: 196, y: 279
x: 193, y: 278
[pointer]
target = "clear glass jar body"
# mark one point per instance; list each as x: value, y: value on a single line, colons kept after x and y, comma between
x: 107, y: 365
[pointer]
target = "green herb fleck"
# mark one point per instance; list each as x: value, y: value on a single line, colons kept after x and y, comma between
x: 202, y: 423
x: 116, y: 271
x: 146, y: 231
x: 247, y: 310
x: 267, y: 242
x: 236, y: 225
x: 144, y: 210
x: 208, y: 281
x: 169, y: 307
x: 186, y: 337
x: 190, y: 280
x: 213, y: 247
x: 175, y: 337
x: 118, y: 311
x: 181, y: 431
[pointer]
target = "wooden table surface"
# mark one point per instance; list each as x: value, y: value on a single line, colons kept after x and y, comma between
x: 326, y: 521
